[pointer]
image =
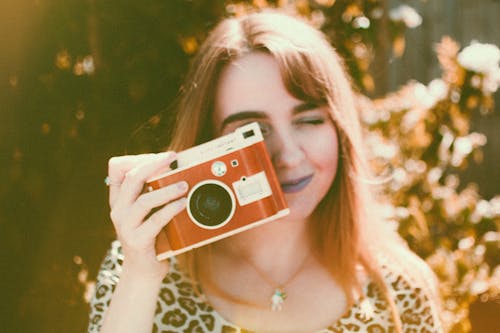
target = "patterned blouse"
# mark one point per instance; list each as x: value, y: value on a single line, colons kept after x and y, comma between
x: 180, y: 309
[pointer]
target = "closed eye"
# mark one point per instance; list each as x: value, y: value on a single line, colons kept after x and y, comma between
x: 313, y: 118
x: 312, y: 121
x: 265, y: 128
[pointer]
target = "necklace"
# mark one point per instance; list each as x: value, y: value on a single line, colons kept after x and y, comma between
x: 279, y: 294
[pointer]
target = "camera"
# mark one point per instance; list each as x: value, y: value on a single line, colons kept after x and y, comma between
x: 233, y: 187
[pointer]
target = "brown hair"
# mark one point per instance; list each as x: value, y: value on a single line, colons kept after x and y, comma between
x: 311, y: 70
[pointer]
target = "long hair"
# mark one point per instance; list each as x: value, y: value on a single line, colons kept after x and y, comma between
x: 311, y: 70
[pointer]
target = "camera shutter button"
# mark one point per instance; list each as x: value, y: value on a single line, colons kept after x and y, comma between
x: 219, y: 168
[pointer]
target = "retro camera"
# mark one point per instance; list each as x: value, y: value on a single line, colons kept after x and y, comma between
x: 233, y: 187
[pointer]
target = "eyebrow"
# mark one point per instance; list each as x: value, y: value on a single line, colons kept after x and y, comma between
x: 251, y: 114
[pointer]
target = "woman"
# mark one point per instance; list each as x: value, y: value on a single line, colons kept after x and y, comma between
x: 329, y: 266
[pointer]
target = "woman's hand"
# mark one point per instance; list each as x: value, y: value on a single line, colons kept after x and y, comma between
x: 136, y: 227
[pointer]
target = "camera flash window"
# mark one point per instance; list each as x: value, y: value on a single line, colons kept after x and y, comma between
x: 252, y: 188
x: 234, y: 163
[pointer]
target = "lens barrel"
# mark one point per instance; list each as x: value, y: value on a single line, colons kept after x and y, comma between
x: 211, y: 205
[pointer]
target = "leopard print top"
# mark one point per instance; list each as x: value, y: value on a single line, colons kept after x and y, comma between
x: 181, y: 309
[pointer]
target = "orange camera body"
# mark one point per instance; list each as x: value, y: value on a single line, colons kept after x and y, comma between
x: 233, y: 187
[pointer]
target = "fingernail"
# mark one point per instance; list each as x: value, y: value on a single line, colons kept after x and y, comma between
x: 182, y: 185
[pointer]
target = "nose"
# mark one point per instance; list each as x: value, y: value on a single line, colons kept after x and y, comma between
x: 285, y: 149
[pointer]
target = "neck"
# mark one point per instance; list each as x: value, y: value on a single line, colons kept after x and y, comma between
x: 276, y: 247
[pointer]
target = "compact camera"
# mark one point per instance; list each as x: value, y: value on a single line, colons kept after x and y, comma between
x: 233, y: 187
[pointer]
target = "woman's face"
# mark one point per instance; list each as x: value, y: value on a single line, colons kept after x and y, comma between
x: 300, y: 136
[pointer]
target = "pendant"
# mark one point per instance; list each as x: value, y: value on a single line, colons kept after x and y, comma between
x: 277, y: 299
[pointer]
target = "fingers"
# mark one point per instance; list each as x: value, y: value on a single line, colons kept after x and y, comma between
x: 147, y: 201
x: 130, y: 207
x: 135, y: 171
x: 118, y: 168
x: 153, y: 225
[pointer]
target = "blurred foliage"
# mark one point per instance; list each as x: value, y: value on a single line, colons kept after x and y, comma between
x: 97, y: 69
x: 423, y: 133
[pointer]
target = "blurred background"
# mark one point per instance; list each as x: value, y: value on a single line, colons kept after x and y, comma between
x: 84, y: 80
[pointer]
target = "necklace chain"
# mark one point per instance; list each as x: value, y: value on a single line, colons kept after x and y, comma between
x: 279, y: 294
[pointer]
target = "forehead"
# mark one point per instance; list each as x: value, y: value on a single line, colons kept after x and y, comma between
x: 251, y: 82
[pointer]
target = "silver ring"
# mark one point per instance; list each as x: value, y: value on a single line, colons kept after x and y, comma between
x: 110, y: 182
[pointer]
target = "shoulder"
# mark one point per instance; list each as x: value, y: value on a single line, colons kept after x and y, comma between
x: 414, y: 304
x: 413, y: 287
x: 181, y: 305
x: 396, y: 261
x: 401, y: 262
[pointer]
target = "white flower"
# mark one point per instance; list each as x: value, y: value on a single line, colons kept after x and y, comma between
x: 415, y: 166
x: 491, y: 81
x: 495, y: 206
x: 85, y: 66
x: 428, y: 96
x: 480, y: 58
x: 317, y: 18
x: 478, y: 287
x: 423, y: 96
x: 445, y: 145
x: 434, y: 175
x: 361, y: 22
x: 466, y: 243
x: 463, y: 145
x: 438, y: 89
x: 88, y: 65
x: 491, y: 236
x: 382, y: 149
x: 407, y: 15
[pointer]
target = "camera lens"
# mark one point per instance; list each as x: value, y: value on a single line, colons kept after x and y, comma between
x: 211, y: 205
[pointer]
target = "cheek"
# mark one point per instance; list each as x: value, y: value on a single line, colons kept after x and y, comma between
x: 324, y: 153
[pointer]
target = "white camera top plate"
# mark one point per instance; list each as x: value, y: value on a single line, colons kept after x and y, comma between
x: 242, y: 137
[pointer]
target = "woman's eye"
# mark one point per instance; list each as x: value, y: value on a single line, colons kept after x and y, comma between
x: 311, y: 121
x: 264, y: 128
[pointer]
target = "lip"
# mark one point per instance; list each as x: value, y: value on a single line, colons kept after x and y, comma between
x: 296, y: 185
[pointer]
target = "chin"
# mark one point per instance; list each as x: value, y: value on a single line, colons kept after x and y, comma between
x: 299, y: 210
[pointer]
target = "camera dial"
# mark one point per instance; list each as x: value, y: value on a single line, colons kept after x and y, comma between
x: 219, y: 168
